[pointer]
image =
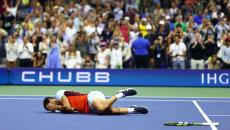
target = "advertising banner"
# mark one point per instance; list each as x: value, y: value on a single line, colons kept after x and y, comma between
x: 125, y: 77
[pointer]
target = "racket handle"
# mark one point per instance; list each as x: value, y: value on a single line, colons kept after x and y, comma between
x: 213, y: 123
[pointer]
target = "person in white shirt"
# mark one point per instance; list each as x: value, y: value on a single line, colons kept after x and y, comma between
x: 25, y: 52
x: 12, y: 10
x: 70, y: 31
x: 116, y: 56
x: 102, y: 57
x: 11, y: 52
x: 118, y: 12
x: 44, y: 46
x: 126, y: 52
x: 73, y: 58
x: 224, y: 54
x: 177, y: 51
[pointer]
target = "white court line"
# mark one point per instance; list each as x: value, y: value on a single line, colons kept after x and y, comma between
x: 213, y: 127
x: 220, y: 115
x: 127, y: 99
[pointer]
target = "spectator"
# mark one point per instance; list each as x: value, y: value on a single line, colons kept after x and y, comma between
x: 126, y: 53
x: 12, y: 11
x: 177, y: 51
x: 140, y: 49
x: 11, y: 52
x: 26, y: 52
x: 142, y: 27
x: 196, y: 51
x: 224, y: 54
x: 118, y: 12
x: 38, y: 60
x: 88, y: 63
x: 116, y: 56
x: 53, y: 59
x: 81, y: 44
x: 44, y: 46
x: 102, y: 57
x: 213, y: 62
x: 159, y: 50
x: 73, y: 58
x: 92, y: 45
x: 210, y: 46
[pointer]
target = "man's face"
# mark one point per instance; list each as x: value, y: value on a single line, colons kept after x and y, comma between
x: 52, y: 106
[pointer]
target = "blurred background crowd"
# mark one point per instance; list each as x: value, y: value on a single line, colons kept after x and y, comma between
x: 116, y: 34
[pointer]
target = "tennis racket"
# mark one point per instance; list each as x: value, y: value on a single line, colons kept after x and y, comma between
x: 190, y: 123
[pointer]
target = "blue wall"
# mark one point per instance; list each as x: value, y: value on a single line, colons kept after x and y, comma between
x: 129, y: 77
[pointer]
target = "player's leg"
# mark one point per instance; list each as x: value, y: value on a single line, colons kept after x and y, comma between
x: 97, y: 99
x: 130, y: 110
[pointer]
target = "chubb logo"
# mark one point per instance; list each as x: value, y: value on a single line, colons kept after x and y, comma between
x: 65, y: 77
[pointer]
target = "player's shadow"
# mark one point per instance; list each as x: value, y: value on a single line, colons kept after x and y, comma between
x: 88, y: 114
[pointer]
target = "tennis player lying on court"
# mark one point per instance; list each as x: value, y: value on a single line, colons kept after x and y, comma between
x: 93, y: 102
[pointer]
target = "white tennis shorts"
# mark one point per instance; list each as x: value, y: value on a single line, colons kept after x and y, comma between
x: 92, y: 95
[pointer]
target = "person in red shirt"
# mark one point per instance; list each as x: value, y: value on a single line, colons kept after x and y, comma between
x: 94, y: 102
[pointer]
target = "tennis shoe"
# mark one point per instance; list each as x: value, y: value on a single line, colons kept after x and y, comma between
x: 128, y: 92
x: 141, y: 109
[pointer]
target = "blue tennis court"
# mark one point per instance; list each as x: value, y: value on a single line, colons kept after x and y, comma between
x: 27, y: 113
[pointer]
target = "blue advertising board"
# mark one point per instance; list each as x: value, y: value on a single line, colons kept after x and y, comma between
x: 4, y: 76
x: 127, y: 77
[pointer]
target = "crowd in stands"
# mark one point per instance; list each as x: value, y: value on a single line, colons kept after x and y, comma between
x: 116, y: 34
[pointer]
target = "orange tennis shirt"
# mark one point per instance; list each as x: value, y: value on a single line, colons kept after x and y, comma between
x: 78, y: 101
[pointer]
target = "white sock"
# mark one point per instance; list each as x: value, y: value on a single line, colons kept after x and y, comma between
x: 131, y: 110
x: 119, y: 95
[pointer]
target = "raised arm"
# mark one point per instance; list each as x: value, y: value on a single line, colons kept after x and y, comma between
x: 66, y: 105
x: 6, y: 5
x: 18, y: 2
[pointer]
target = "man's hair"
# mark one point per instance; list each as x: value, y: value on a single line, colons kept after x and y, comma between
x: 47, y: 101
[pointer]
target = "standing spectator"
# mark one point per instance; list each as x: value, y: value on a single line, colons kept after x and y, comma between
x: 44, y: 46
x: 92, y: 45
x: 118, y: 12
x: 11, y: 52
x: 126, y: 53
x: 133, y: 34
x: 210, y: 46
x: 73, y: 58
x: 159, y: 51
x: 196, y: 51
x: 224, y: 54
x: 116, y: 56
x: 54, y: 59
x: 12, y: 11
x: 124, y: 29
x: 70, y: 31
x: 38, y: 60
x: 102, y: 57
x: 7, y: 21
x: 25, y: 51
x: 81, y: 44
x: 140, y: 49
x: 177, y: 51
x: 198, y: 18
x: 143, y: 27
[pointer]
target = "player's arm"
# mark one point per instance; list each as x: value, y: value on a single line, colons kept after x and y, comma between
x: 66, y: 107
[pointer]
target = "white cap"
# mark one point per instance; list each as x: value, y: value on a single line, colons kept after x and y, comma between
x: 148, y: 26
x: 144, y: 19
x: 162, y: 22
x: 167, y: 17
x: 126, y: 18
